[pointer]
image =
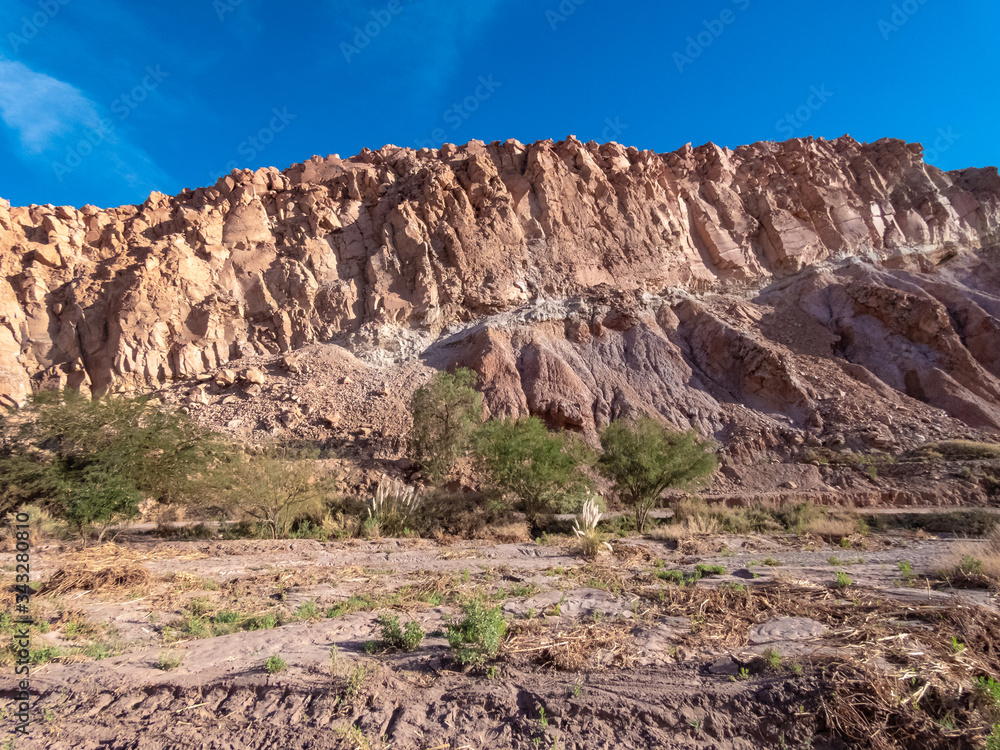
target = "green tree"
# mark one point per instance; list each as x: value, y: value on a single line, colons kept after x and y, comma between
x: 272, y: 487
x: 522, y: 458
x: 445, y: 413
x: 644, y: 458
x: 92, y: 461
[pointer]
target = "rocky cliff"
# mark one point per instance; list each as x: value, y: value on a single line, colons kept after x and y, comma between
x: 777, y: 296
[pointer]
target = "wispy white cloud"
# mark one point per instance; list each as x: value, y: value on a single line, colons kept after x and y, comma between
x: 57, y: 123
x: 41, y: 109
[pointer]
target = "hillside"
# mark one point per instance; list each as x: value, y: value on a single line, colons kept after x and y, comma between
x: 785, y: 298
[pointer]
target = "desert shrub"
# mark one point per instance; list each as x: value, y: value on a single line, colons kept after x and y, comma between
x: 644, y: 459
x: 585, y: 528
x: 704, y: 571
x: 269, y: 488
x: 975, y: 564
x: 275, y: 664
x: 521, y: 458
x: 991, y: 485
x: 92, y: 461
x: 973, y: 522
x: 394, y: 506
x: 42, y: 526
x: 445, y: 413
x: 406, y: 638
x: 841, y: 580
x: 477, y: 638
x: 166, y: 661
x: 954, y: 450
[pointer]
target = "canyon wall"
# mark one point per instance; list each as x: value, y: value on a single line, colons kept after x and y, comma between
x: 697, y: 284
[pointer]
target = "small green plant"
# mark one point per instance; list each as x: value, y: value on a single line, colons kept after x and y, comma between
x: 970, y: 566
x: 742, y: 675
x: 98, y: 651
x: 543, y: 720
x: 576, y: 690
x: 956, y: 646
x: 478, y: 636
x: 845, y: 543
x: 771, y: 562
x: 772, y: 657
x: 988, y: 691
x: 739, y: 588
x: 168, y: 661
x: 492, y: 672
x: 307, y: 611
x: 45, y: 654
x: 674, y: 576
x: 842, y: 580
x: 704, y: 571
x: 275, y: 664
x: 906, y: 570
x: 393, y: 637
x: 797, y: 669
x: 993, y: 740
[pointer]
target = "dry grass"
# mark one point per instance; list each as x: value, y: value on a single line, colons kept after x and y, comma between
x: 831, y: 529
x: 123, y: 575
x: 110, y: 551
x: 955, y: 450
x: 42, y: 527
x: 507, y: 533
x: 897, y: 679
x: 589, y: 646
x: 974, y: 563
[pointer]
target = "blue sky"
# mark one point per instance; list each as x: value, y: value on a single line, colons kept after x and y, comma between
x: 103, y: 101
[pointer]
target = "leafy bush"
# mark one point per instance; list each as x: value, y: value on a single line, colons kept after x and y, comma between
x: 402, y: 639
x: 644, y: 459
x: 704, y: 571
x: 842, y: 581
x: 954, y: 450
x: 275, y: 664
x: 674, y: 576
x: 987, y: 692
x: 272, y: 488
x: 166, y: 661
x: 521, y: 458
x: 478, y: 637
x: 445, y: 414
x: 93, y: 461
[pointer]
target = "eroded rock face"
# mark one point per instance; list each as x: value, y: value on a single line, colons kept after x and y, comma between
x: 674, y: 272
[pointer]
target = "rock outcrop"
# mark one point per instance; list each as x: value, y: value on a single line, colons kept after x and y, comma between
x: 777, y: 296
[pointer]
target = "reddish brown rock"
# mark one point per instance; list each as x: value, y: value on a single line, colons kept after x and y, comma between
x: 777, y: 296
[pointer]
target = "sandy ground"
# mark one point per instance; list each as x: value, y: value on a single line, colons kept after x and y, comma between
x: 658, y: 670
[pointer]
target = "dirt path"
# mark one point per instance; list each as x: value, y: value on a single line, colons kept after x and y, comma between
x: 658, y: 669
